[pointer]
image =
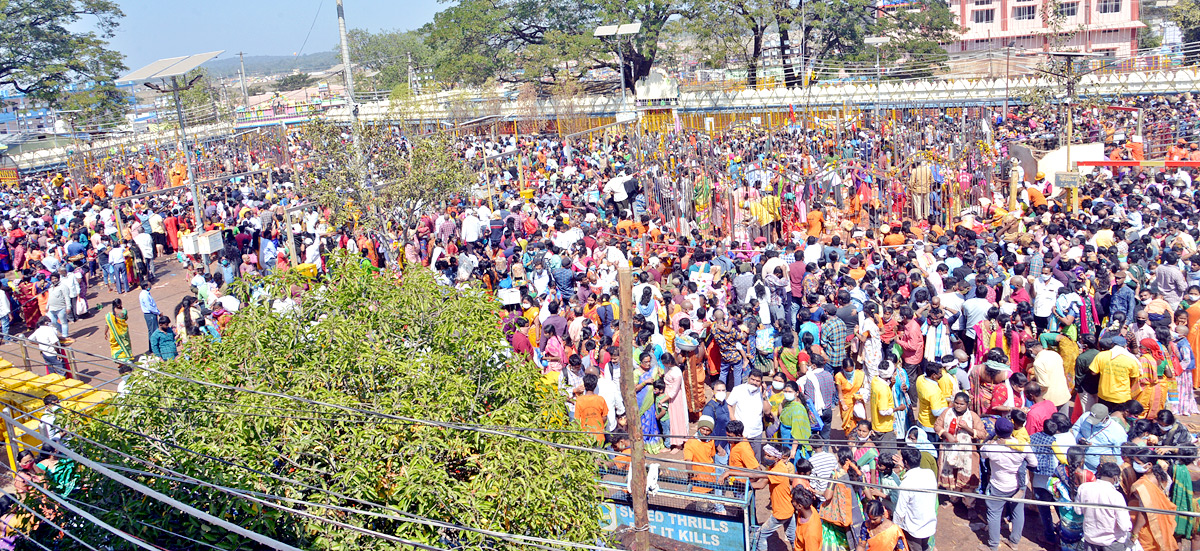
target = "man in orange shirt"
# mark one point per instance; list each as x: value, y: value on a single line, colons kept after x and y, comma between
x: 1178, y: 151
x: 808, y: 522
x: 816, y: 223
x: 590, y: 409
x: 782, y: 512
x: 702, y: 449
x: 741, y: 456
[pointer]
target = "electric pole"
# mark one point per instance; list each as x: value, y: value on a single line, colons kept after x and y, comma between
x: 245, y: 96
x: 411, y: 89
x: 347, y: 73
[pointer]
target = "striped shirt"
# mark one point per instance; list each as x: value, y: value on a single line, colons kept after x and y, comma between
x: 823, y: 465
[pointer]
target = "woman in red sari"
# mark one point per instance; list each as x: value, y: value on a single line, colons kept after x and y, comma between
x: 27, y: 297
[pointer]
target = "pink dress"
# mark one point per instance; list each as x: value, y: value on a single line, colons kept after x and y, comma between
x: 677, y: 410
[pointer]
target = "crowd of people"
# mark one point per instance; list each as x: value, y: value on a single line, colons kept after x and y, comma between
x: 860, y: 306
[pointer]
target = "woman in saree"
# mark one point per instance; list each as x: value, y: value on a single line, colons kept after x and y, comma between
x: 958, y: 461
x: 878, y: 533
x: 1063, y: 485
x: 865, y: 452
x: 116, y: 329
x: 1155, y: 531
x: 988, y: 334
x: 982, y: 376
x: 27, y: 298
x: 647, y: 416
x: 1157, y: 376
x: 841, y: 510
x: 850, y: 384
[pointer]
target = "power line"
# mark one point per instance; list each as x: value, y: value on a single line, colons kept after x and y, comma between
x: 92, y: 518
x: 269, y: 542
x: 409, y: 517
x: 310, y: 30
x: 68, y: 533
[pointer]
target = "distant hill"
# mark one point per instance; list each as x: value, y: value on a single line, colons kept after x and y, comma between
x: 227, y: 65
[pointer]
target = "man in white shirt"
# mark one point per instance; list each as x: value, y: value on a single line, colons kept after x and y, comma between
x: 1005, y: 464
x: 116, y: 267
x: 47, y: 338
x: 916, y: 511
x: 746, y: 405
x: 58, y: 302
x: 145, y: 244
x: 1045, y: 295
x: 607, y: 389
x: 1105, y: 529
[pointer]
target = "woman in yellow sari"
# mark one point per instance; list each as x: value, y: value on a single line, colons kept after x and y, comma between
x: 879, y: 533
x: 853, y: 403
x: 116, y: 328
x: 1156, y: 378
x: 1155, y: 531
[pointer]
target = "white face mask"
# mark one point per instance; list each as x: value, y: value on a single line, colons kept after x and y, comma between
x: 789, y: 396
x: 719, y: 396
x: 1140, y: 467
x: 777, y: 385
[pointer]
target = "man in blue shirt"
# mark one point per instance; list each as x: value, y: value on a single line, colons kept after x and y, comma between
x: 150, y: 311
x: 1101, y: 434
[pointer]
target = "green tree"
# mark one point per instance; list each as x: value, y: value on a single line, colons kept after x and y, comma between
x: 100, y: 105
x: 1186, y: 14
x: 403, y: 346
x: 541, y: 40
x: 388, y: 53
x: 397, y: 180
x: 44, y: 49
x: 298, y: 81
x: 733, y: 32
x: 835, y: 34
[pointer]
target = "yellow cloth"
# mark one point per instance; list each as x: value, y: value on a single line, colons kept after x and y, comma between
x: 929, y: 398
x: 1115, y: 373
x: 882, y: 399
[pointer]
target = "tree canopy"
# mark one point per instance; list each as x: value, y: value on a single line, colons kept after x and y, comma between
x: 43, y: 50
x: 405, y: 346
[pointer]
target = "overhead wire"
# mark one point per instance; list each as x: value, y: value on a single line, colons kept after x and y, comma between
x: 153, y: 494
x: 409, y: 517
x: 92, y: 518
x: 572, y: 447
x: 49, y: 522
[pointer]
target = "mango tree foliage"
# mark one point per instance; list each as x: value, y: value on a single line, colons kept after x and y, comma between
x: 404, y: 346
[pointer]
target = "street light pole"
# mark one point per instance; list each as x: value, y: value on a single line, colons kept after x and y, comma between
x: 191, y: 169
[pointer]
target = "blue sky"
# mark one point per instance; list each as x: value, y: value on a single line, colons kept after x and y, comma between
x: 154, y: 29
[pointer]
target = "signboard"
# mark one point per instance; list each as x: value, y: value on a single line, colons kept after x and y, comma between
x: 708, y: 124
x: 691, y: 527
x: 8, y: 177
x: 1066, y: 180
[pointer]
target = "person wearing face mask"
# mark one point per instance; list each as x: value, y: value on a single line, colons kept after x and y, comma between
x: 701, y: 448
x: 718, y: 411
x: 1170, y: 432
x: 916, y: 510
x: 745, y: 404
x: 1045, y: 295
x: 884, y: 408
x: 1154, y: 531
x: 795, y: 425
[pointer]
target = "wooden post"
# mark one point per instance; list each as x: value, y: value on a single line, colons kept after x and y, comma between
x: 71, y: 373
x: 25, y: 355
x: 1012, y: 191
x: 637, y: 465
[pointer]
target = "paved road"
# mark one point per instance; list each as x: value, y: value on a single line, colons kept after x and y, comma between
x: 88, y: 332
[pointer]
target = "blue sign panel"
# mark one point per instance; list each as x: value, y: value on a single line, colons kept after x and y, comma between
x: 704, y: 531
